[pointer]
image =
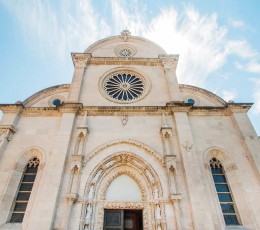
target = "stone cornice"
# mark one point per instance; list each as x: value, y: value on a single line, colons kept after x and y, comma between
x: 82, y: 59
x: 11, y: 108
x: 41, y: 112
x: 239, y: 107
x: 170, y: 108
x: 70, y: 107
x: 125, y: 61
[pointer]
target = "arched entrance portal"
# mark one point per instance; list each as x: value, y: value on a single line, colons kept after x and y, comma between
x: 124, y: 190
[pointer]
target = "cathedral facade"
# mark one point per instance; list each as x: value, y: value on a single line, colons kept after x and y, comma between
x: 124, y: 146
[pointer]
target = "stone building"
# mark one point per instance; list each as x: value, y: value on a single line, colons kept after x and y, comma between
x: 124, y: 146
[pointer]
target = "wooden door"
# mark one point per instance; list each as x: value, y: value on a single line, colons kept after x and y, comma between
x: 123, y: 219
x: 114, y: 220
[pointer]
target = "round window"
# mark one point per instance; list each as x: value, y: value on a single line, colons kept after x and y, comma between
x: 125, y: 87
x: 191, y: 101
x: 125, y: 52
x: 56, y: 102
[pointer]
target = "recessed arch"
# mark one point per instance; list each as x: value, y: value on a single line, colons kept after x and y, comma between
x: 123, y: 163
x: 143, y: 174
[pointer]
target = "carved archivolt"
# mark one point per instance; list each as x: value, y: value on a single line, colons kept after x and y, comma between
x: 134, y: 166
x: 141, y: 172
x: 130, y: 142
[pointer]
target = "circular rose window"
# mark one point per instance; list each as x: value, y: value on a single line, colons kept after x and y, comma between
x: 124, y: 87
x: 126, y: 52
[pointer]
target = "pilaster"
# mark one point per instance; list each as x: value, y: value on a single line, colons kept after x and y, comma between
x: 80, y: 62
x: 201, y: 214
x: 169, y: 63
x: 11, y: 115
x: 54, y: 170
x: 249, y: 138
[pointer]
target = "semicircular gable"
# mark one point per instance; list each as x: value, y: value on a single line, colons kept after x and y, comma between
x: 42, y: 97
x: 108, y: 47
x: 201, y: 96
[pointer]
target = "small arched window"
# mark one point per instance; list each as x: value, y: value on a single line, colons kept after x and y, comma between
x: 24, y: 192
x: 224, y: 194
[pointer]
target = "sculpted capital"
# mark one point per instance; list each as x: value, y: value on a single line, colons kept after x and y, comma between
x: 169, y: 61
x: 80, y: 60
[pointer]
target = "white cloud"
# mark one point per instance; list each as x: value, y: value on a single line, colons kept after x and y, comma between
x: 254, y: 67
x: 256, y: 96
x: 202, y: 43
x: 69, y: 27
x: 229, y: 95
x: 236, y: 23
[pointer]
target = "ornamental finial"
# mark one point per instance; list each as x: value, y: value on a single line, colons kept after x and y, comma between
x: 125, y: 34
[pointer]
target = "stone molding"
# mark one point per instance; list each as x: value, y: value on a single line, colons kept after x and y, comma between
x: 46, y: 93
x: 120, y: 38
x: 193, y: 90
x: 105, y: 168
x: 11, y: 108
x: 126, y: 141
x: 69, y: 107
x: 170, y: 108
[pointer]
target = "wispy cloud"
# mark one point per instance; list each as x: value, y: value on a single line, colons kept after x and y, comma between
x: 229, y: 95
x: 236, y: 23
x: 67, y: 27
x: 202, y: 43
x: 256, y: 96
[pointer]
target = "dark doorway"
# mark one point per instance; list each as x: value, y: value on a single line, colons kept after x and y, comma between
x: 127, y: 219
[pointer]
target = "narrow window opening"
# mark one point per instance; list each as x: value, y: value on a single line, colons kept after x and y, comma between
x: 24, y: 192
x: 224, y: 194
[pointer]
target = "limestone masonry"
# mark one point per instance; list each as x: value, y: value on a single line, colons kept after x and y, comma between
x: 124, y: 146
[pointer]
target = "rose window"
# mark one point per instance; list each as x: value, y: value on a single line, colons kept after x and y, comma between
x: 124, y: 87
x: 125, y: 52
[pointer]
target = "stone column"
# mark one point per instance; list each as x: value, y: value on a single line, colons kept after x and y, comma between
x: 52, y: 178
x: 11, y: 115
x: 71, y: 199
x: 200, y: 210
x: 170, y: 64
x: 80, y: 63
x: 176, y: 199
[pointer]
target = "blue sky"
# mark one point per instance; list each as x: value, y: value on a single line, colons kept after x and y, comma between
x: 218, y: 42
